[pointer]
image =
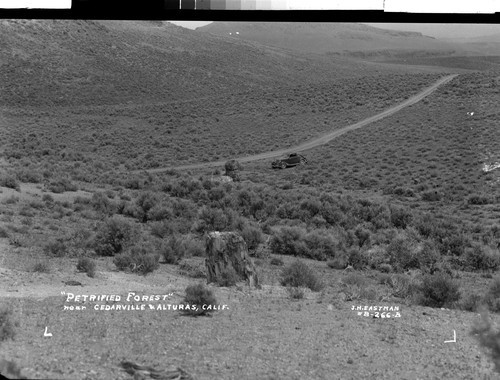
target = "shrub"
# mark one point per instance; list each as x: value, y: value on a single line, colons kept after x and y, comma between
x: 492, y: 297
x: 192, y: 270
x: 320, y: 245
x: 11, y: 200
x: 101, y: 203
x: 363, y: 235
x: 196, y: 297
x: 357, y: 258
x: 61, y: 185
x: 36, y: 204
x: 403, y: 191
x: 488, y: 339
x: 212, y: 219
x: 402, y: 253
x: 470, y: 302
x: 385, y: 268
x: 78, y: 200
x: 172, y: 250
x: 10, y: 370
x: 177, y: 247
x: 431, y: 196
x: 124, y: 262
x: 7, y: 330
x: 299, y: 274
x: 3, y: 233
x: 232, y: 165
x: 228, y: 277
x: 124, y: 196
x: 369, y: 293
x: 163, y: 229
x: 259, y: 262
x: 481, y: 257
x: 428, y: 255
x: 160, y: 212
x: 354, y: 279
x: 252, y: 236
x: 26, y: 211
x: 145, y: 202
x: 337, y: 263
x: 376, y: 256
x: 86, y: 265
x: 128, y: 209
x: 56, y: 248
x: 41, y: 267
x: 295, y: 293
x: 135, y: 183
x: 277, y: 261
x: 384, y: 279
x: 400, y: 217
x: 454, y: 242
x: 438, y: 290
x: 29, y: 175
x: 113, y: 236
x: 355, y: 288
x: 289, y: 241
x: 10, y: 181
x: 478, y: 200
x: 138, y: 258
x: 310, y: 208
x: 368, y: 211
x: 403, y: 286
x: 193, y: 247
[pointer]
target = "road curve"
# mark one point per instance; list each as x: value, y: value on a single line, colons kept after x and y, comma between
x: 319, y: 140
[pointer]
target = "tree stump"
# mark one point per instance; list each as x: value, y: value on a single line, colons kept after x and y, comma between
x: 225, y: 250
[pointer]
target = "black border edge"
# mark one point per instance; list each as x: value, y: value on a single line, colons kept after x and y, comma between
x: 154, y: 13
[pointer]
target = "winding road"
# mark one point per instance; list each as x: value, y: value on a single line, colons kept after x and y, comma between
x: 319, y: 140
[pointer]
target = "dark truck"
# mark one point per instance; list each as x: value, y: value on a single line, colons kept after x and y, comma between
x: 293, y: 159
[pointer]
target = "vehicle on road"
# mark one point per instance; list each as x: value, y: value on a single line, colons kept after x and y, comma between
x: 292, y: 160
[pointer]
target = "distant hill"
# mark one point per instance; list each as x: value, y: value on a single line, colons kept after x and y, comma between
x: 488, y: 38
x: 65, y: 62
x: 357, y: 40
x: 481, y: 45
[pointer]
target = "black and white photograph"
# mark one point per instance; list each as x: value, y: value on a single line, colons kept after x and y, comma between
x: 251, y: 200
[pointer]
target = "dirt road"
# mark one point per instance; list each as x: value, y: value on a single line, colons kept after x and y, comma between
x: 319, y: 140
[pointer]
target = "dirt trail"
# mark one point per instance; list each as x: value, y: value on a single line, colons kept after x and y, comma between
x: 319, y: 140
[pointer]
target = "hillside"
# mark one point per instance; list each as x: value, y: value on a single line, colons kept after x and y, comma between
x: 342, y: 39
x: 63, y: 62
x: 143, y: 94
x: 481, y: 45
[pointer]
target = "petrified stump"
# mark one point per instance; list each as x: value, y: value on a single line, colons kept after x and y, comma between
x: 226, y: 250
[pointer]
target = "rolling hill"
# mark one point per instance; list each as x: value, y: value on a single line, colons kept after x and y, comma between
x: 357, y: 40
x: 143, y: 94
x: 481, y: 45
x: 62, y: 62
